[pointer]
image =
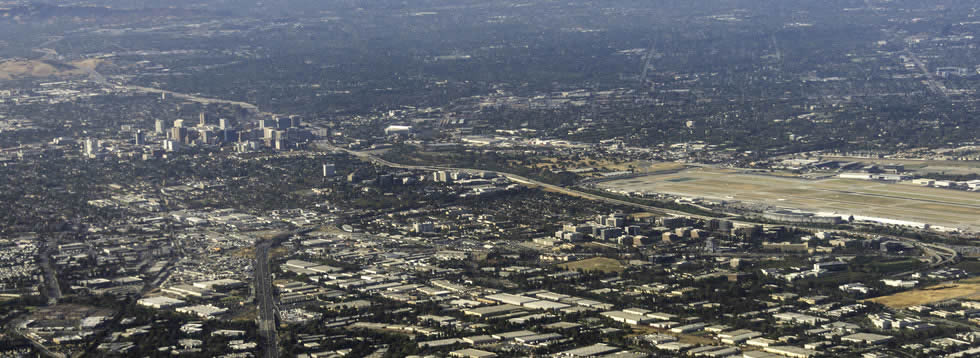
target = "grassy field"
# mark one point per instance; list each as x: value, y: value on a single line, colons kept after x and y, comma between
x: 14, y: 69
x: 889, y: 267
x: 603, y: 264
x: 969, y: 289
x: 27, y: 68
x: 245, y: 252
x: 247, y: 315
x: 942, y: 207
x: 278, y: 252
x: 642, y: 215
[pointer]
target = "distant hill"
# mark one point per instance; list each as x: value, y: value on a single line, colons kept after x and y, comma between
x: 42, y: 12
x: 22, y: 68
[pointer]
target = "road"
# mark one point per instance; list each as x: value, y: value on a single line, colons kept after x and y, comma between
x: 191, y: 97
x: 97, y: 77
x: 50, y: 274
x: 161, y: 277
x: 44, y: 351
x: 931, y: 80
x: 939, y: 255
x: 264, y: 296
x: 517, y: 179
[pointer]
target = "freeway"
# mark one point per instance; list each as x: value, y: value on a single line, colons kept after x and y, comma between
x: 938, y: 255
x: 42, y: 350
x: 264, y: 295
x: 50, y: 275
x: 517, y: 179
x: 189, y: 97
x: 97, y: 77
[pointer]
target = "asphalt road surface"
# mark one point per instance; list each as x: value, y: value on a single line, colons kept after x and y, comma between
x: 264, y: 296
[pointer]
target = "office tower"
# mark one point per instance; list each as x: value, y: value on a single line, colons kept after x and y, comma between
x: 171, y: 146
x: 224, y: 123
x: 424, y: 227
x: 442, y: 176
x: 329, y: 170
x: 140, y: 137
x: 205, y: 136
x: 267, y: 123
x: 203, y: 119
x: 295, y: 121
x: 91, y: 146
x: 160, y: 126
x: 229, y: 135
x: 179, y: 123
x: 283, y: 122
x: 385, y: 180
x: 178, y: 134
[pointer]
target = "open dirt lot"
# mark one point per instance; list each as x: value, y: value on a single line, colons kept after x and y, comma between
x: 13, y: 69
x: 969, y: 289
x: 22, y: 68
x: 603, y: 264
x: 942, y: 207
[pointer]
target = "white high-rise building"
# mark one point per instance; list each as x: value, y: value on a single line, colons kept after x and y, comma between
x: 171, y: 146
x: 91, y: 146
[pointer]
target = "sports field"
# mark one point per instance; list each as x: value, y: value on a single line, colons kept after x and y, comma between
x: 943, y: 207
